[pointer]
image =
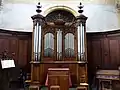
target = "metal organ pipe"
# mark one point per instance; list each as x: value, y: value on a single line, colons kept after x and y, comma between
x: 81, y: 42
x: 59, y: 44
x: 37, y: 41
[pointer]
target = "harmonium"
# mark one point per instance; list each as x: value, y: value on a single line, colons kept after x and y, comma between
x: 108, y: 79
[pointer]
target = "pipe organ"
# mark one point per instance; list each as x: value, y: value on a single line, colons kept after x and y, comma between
x: 59, y: 41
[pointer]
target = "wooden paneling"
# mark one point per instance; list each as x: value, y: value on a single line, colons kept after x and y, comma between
x: 23, y: 52
x: 96, y: 52
x: 105, y: 54
x: 103, y: 51
x: 114, y: 52
x: 4, y: 44
x: 13, y: 48
x: 18, y: 46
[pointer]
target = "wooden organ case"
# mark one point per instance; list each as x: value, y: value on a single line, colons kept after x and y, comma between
x: 59, y: 41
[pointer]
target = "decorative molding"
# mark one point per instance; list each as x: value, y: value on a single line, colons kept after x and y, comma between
x: 60, y: 7
x: 66, y: 16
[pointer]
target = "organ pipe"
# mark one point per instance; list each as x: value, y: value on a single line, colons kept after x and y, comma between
x: 38, y: 21
x: 81, y: 35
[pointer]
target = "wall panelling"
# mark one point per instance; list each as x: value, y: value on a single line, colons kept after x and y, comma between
x: 18, y: 46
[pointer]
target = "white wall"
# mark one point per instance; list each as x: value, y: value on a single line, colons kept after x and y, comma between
x: 17, y: 16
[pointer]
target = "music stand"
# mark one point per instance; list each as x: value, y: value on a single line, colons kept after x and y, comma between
x: 7, y: 64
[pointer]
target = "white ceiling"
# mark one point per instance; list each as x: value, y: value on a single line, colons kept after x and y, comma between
x: 102, y: 15
x: 52, y: 1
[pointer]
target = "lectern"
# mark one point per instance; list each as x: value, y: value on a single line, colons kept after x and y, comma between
x: 7, y: 64
x: 59, y: 42
x: 58, y: 77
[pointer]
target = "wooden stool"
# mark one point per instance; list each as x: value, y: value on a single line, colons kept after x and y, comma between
x: 81, y: 88
x: 33, y: 87
x: 55, y: 87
